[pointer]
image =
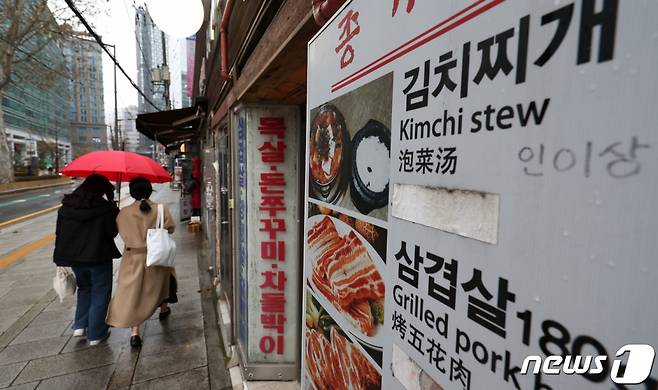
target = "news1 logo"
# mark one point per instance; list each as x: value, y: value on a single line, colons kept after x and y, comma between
x: 637, y: 369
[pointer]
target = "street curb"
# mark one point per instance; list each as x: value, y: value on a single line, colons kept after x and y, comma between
x: 19, y: 190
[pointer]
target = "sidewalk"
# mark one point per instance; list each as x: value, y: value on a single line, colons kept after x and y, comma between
x: 37, y: 350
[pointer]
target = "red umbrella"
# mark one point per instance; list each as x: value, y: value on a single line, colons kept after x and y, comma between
x: 117, y: 166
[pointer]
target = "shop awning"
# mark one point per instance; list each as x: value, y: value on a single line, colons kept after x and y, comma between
x: 171, y: 128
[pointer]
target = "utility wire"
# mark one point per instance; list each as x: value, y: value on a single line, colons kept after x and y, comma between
x: 100, y: 42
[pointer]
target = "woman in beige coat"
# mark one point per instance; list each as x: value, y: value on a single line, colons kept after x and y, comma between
x: 140, y: 289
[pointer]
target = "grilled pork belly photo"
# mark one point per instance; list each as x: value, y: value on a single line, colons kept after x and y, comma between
x: 346, y: 275
x: 337, y: 364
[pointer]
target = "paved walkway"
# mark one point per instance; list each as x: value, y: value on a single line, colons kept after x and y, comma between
x: 37, y: 350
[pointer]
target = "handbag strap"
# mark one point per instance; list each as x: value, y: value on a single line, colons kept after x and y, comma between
x: 160, y: 222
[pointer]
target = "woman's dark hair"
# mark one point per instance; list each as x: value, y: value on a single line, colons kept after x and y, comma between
x: 141, y: 189
x: 90, y: 193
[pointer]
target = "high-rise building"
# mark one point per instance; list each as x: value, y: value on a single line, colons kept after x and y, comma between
x: 37, y: 127
x: 178, y: 58
x: 87, y: 113
x: 128, y: 129
x: 149, y: 56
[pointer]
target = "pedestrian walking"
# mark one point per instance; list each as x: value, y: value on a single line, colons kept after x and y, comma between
x: 86, y: 227
x: 140, y: 289
x: 194, y: 186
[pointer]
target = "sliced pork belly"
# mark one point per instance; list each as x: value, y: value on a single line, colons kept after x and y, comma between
x: 353, y: 275
x: 345, y: 274
x: 341, y: 355
x: 368, y: 376
x: 360, y: 316
x: 321, y: 234
x: 356, y: 370
x: 319, y: 366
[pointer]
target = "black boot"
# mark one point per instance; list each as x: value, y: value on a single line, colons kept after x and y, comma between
x: 163, y: 315
x: 135, y: 341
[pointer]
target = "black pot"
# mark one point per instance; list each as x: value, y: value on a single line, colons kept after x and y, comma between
x: 363, y: 198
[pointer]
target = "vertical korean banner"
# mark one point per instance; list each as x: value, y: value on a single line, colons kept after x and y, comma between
x: 241, y: 233
x: 190, y: 45
x: 519, y: 146
x: 269, y: 268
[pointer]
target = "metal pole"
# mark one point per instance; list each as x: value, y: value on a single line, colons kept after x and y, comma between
x: 117, y: 187
x: 116, y: 112
x: 115, y: 138
x: 118, y: 183
x: 164, y: 63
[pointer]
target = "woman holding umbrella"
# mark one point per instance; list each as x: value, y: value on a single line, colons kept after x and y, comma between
x: 85, y: 232
x: 140, y: 289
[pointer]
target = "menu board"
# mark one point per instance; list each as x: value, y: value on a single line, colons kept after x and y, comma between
x: 480, y: 196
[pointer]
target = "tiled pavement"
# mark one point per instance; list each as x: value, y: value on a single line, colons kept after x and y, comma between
x: 37, y: 350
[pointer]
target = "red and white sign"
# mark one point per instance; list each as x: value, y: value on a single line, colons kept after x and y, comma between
x: 269, y: 275
x: 520, y: 189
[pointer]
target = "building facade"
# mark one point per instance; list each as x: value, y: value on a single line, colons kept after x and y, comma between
x: 87, y: 114
x: 249, y: 96
x: 32, y: 105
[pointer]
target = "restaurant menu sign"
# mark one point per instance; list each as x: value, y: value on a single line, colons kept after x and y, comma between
x: 267, y: 138
x: 481, y: 192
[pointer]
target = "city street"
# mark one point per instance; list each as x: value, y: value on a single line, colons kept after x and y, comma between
x: 37, y: 349
x: 19, y: 204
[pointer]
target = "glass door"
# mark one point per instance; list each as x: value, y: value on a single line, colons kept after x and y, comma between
x: 224, y: 225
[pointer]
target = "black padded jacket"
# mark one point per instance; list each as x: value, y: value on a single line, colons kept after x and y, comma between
x: 85, y: 236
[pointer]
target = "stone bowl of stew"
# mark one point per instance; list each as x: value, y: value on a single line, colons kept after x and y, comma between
x: 329, y: 145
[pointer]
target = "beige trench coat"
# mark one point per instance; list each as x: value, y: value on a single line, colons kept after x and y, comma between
x: 140, y: 289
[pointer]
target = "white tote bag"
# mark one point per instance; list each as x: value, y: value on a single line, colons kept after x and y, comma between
x: 64, y: 283
x: 160, y: 248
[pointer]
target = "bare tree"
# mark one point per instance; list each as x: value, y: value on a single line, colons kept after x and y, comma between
x: 27, y: 27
